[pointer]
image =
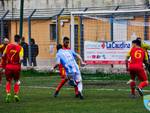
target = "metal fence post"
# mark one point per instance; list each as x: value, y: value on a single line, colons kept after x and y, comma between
x: 72, y: 32
x: 2, y: 25
x: 111, y: 28
x: 29, y: 36
x: 146, y: 27
x: 58, y: 26
x: 21, y: 17
x: 57, y: 29
x: 2, y: 31
x: 82, y: 37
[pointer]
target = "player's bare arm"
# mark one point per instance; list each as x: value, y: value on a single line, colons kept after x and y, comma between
x: 55, y: 66
x: 21, y: 54
x: 126, y: 61
x: 81, y: 60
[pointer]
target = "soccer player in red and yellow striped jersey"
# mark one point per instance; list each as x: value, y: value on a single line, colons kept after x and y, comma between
x: 136, y: 68
x: 13, y: 54
x: 146, y: 47
x: 2, y: 60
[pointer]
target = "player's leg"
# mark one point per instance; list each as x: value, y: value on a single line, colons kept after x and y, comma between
x: 76, y: 90
x: 71, y: 79
x: 78, y: 80
x: 17, y: 82
x: 132, y: 87
x: 0, y: 79
x: 144, y: 81
x: 133, y: 72
x: 72, y: 82
x: 34, y: 61
x: 8, y: 91
x: 132, y: 84
x: 60, y: 85
x: 143, y: 84
x: 8, y: 84
x: 62, y: 82
x: 1, y: 70
x: 16, y: 90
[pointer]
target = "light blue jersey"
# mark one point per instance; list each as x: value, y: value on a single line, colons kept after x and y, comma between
x: 67, y: 59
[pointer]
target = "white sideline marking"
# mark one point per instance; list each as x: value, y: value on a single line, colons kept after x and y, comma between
x: 100, y: 89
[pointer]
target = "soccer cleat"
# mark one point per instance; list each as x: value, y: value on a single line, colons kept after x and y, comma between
x: 81, y: 96
x: 132, y: 96
x: 140, y: 91
x: 16, y: 98
x: 56, y: 94
x: 77, y: 95
x: 8, y: 98
x: 72, y: 83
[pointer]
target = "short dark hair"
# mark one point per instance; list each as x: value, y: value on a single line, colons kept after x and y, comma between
x: 137, y: 42
x: 32, y: 40
x: 23, y: 39
x: 59, y: 46
x: 17, y: 38
x: 138, y: 38
x: 133, y: 41
x: 65, y: 38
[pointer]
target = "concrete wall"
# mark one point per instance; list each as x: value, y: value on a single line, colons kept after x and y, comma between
x: 94, y: 30
x: 40, y: 32
x: 15, y: 4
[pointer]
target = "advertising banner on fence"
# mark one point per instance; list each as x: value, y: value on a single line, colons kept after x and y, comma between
x: 111, y: 52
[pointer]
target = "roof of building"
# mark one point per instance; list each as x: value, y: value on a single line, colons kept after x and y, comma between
x: 52, y: 12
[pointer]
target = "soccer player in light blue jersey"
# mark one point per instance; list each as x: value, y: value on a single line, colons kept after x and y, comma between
x: 67, y: 59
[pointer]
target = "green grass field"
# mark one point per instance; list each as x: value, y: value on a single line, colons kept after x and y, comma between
x: 101, y: 96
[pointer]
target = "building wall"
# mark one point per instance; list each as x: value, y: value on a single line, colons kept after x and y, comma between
x: 94, y: 30
x: 99, y: 29
x: 40, y: 32
x: 64, y: 31
x: 136, y: 28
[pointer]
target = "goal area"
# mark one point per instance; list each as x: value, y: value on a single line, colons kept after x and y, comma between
x: 104, y: 37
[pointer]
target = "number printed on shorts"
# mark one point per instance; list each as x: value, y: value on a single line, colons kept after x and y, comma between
x: 138, y: 54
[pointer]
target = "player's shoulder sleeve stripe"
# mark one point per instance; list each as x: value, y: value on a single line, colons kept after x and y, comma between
x: 21, y: 53
x: 145, y: 46
x: 9, y: 44
x: 143, y: 49
x: 129, y: 52
x: 146, y: 56
x: 1, y: 46
x: 5, y: 50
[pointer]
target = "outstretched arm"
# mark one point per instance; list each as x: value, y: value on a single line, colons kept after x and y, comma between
x: 146, y: 58
x: 127, y: 58
x: 126, y: 61
x: 21, y: 54
x: 80, y: 58
x: 57, y: 63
